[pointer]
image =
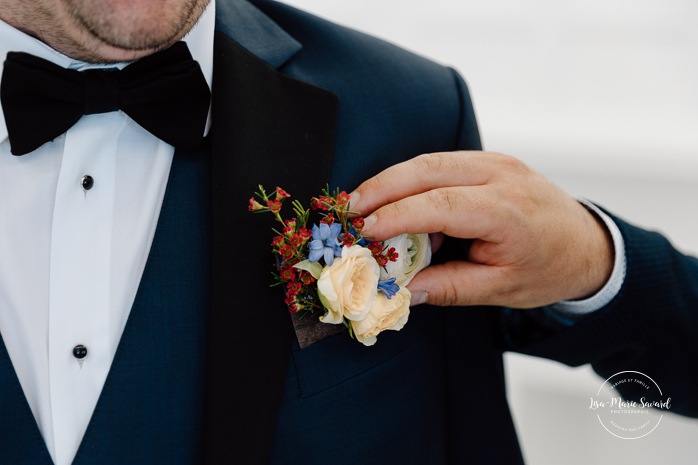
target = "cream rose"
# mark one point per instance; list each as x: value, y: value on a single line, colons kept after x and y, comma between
x: 414, y: 254
x: 348, y: 288
x: 384, y: 314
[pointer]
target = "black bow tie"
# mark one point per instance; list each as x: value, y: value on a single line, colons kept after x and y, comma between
x: 166, y: 93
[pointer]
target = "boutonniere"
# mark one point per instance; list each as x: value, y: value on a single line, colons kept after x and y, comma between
x: 332, y: 273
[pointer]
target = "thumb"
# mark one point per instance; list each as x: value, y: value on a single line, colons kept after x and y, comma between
x: 457, y: 283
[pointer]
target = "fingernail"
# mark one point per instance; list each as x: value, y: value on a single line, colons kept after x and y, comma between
x: 354, y: 200
x: 419, y: 298
x: 369, y: 221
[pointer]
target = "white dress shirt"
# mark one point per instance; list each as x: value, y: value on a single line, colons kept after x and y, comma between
x: 71, y: 259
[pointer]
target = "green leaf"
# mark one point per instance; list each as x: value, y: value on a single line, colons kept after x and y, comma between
x: 314, y: 268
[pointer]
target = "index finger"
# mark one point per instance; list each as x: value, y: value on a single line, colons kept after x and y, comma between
x: 463, y: 212
x: 422, y: 174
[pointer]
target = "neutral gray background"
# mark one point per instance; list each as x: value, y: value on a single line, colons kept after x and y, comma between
x: 601, y: 96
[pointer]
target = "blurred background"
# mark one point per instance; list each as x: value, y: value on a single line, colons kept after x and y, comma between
x: 602, y: 97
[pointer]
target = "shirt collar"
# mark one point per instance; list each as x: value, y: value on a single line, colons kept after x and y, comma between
x: 199, y: 40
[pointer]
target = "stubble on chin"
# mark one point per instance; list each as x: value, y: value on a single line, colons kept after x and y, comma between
x: 107, y: 31
x: 151, y: 26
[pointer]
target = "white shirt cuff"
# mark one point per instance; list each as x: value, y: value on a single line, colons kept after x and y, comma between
x: 577, y: 308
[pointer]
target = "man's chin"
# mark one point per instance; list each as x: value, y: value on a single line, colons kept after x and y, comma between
x: 111, y: 54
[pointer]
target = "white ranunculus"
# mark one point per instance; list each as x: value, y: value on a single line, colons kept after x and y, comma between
x: 414, y: 254
x: 384, y: 314
x: 349, y: 287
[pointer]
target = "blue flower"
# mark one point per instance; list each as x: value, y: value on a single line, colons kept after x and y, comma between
x: 388, y: 287
x: 325, y: 243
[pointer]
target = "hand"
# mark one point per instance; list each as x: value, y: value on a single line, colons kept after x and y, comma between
x: 533, y: 244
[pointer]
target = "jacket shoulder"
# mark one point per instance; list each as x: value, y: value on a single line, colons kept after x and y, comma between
x: 340, y: 49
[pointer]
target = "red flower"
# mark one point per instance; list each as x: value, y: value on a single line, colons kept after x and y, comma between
x: 278, y: 241
x: 375, y: 247
x: 316, y: 204
x: 290, y: 226
x: 293, y: 308
x: 286, y: 252
x: 255, y: 206
x: 348, y: 240
x: 287, y: 274
x: 328, y: 220
x: 307, y: 278
x: 382, y: 260
x: 358, y: 223
x: 296, y: 240
x: 305, y: 233
x: 392, y: 254
x: 293, y: 288
x: 343, y: 199
x: 281, y: 194
x: 274, y: 205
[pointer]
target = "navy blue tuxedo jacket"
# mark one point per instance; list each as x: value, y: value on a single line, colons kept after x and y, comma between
x: 434, y: 391
x: 339, y: 106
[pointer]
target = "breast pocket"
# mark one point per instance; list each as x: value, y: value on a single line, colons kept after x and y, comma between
x: 340, y: 358
x: 374, y: 405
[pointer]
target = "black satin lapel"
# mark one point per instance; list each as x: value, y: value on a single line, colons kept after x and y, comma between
x: 270, y: 129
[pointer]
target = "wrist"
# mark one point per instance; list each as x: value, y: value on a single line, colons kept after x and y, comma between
x: 599, y: 255
x: 578, y: 308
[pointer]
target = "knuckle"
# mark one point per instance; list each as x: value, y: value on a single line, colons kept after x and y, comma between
x: 442, y: 206
x: 450, y: 292
x: 376, y: 183
x: 394, y: 210
x: 429, y: 163
x: 511, y: 163
x: 513, y: 291
x: 444, y: 200
x: 446, y: 297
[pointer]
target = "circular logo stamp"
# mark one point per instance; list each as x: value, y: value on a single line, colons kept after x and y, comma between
x: 628, y: 415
